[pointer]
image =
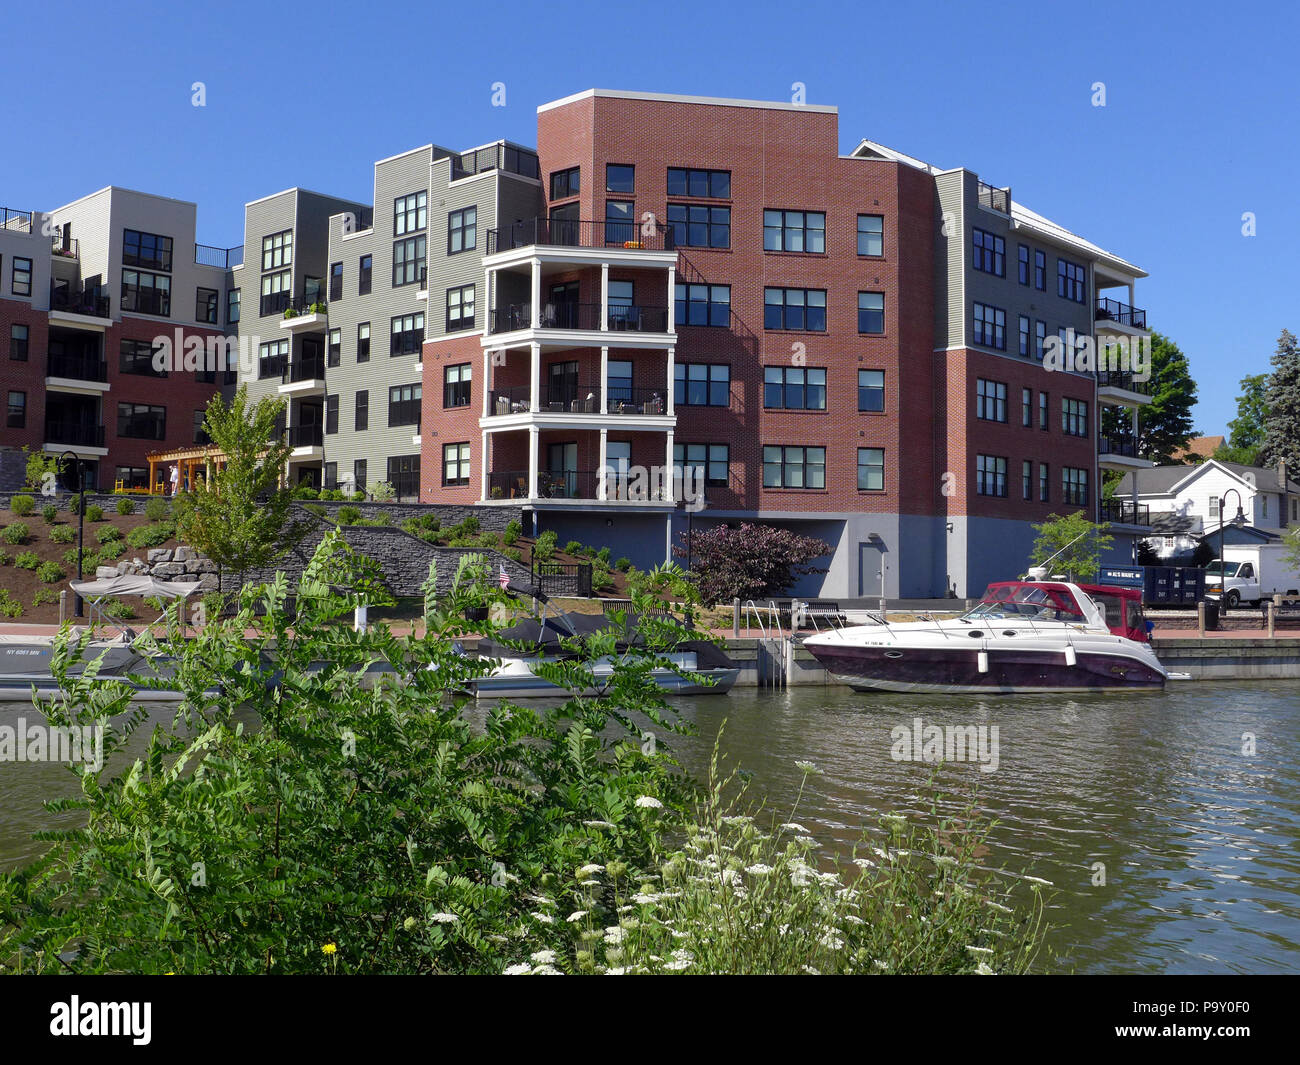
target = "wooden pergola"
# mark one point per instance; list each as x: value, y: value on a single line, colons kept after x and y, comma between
x: 207, y: 457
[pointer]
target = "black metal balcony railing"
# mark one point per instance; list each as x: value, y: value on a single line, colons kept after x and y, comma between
x: 495, y: 157
x: 1122, y: 379
x: 310, y: 369
x: 576, y: 233
x: 19, y: 221
x: 1118, y: 445
x: 306, y: 435
x: 310, y: 304
x: 78, y: 434
x: 1109, y: 310
x: 621, y: 318
x: 275, y: 303
x: 270, y: 366
x: 225, y: 258
x: 579, y: 399
x: 994, y: 198
x: 76, y: 367
x: 65, y: 247
x: 636, y: 401
x: 91, y: 301
x: 509, y: 400
x: 1125, y: 512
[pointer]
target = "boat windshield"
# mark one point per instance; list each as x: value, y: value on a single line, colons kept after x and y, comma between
x: 1026, y: 601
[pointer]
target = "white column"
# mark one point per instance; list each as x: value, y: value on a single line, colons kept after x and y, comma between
x: 604, y: 380
x: 534, y: 435
x: 535, y: 378
x: 487, y: 379
x: 601, y: 488
x: 536, y: 292
x: 669, y: 487
x: 604, y: 296
x: 483, y: 463
x: 672, y: 378
x: 488, y: 304
x: 672, y: 299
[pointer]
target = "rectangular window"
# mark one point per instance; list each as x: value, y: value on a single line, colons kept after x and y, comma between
x: 871, y: 312
x: 330, y: 475
x: 701, y: 384
x: 703, y: 304
x: 713, y: 459
x: 147, y: 293
x: 336, y: 282
x: 363, y: 342
x: 1074, y: 486
x: 272, y: 358
x: 141, y: 421
x: 871, y: 469
x: 137, y: 358
x: 794, y: 388
x: 205, y: 305
x: 1074, y: 417
x: 410, y: 214
x: 21, y: 283
x: 1044, y: 483
x: 1040, y: 340
x: 1027, y: 479
x: 277, y: 251
x: 990, y: 400
x: 702, y: 184
x: 871, y: 390
x: 565, y: 183
x: 1040, y: 270
x: 408, y: 261
x: 232, y: 307
x: 1027, y: 408
x: 697, y: 225
x: 460, y: 308
x: 17, y: 410
x: 334, y: 348
x: 1214, y: 506
x: 455, y: 464
x: 404, y: 475
x: 404, y: 405
x: 871, y: 235
x: 364, y: 267
x: 462, y: 230
x: 990, y: 326
x: 1071, y: 281
x: 1024, y: 336
x: 18, y: 343
x: 361, y: 419
x: 803, y: 231
x: 990, y: 475
x: 456, y: 384
x: 132, y: 476
x: 407, y: 334
x: 359, y: 474
x: 147, y: 250
x: 1042, y: 411
x: 200, y: 433
x: 332, y: 414
x: 620, y: 222
x: 795, y: 308
x: 794, y: 467
x: 1022, y: 263
x: 619, y: 377
x: 276, y: 292
x: 619, y: 177
x: 988, y: 253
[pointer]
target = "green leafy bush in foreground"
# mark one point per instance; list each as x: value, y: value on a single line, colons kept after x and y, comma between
x: 310, y: 818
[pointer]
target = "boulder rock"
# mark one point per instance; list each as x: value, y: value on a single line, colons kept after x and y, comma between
x: 183, y: 554
x: 208, y: 582
x: 161, y: 554
x: 169, y: 569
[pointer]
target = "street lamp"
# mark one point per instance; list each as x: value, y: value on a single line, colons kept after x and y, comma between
x: 1238, y: 521
x: 81, y: 525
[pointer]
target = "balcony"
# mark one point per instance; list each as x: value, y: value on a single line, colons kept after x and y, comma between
x: 303, y: 376
x: 623, y: 401
x: 1125, y: 512
x: 305, y: 314
x: 1112, y: 312
x: 622, y: 318
x: 79, y: 373
x: 305, y: 436
x: 992, y: 198
x: 579, y: 486
x: 1119, y: 451
x: 573, y: 233
x: 223, y: 258
x: 65, y: 247
x: 495, y: 157
x: 74, y: 434
x: 1121, y: 388
x: 87, y: 302
x: 15, y: 221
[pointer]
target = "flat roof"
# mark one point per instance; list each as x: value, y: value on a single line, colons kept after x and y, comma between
x: 676, y: 98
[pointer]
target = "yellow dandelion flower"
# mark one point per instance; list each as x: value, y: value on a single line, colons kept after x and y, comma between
x: 329, y: 948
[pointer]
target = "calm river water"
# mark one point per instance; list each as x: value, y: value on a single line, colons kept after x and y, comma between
x: 1201, y: 843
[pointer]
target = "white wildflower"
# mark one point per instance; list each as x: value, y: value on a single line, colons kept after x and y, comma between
x: 543, y: 957
x: 576, y: 916
x: 649, y: 802
x: 758, y: 869
x: 794, y: 826
x: 542, y: 918
x: 1039, y: 880
x: 522, y: 969
x: 980, y: 950
x: 588, y: 871
x: 444, y: 918
x: 983, y: 970
x: 806, y: 767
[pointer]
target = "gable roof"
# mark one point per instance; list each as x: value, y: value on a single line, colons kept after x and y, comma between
x: 1168, y: 480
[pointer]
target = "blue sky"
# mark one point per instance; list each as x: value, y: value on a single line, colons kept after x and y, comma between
x: 1200, y: 122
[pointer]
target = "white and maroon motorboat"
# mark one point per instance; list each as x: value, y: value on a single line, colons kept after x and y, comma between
x: 1023, y: 636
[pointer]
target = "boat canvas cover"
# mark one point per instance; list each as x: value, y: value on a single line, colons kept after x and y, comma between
x: 128, y: 584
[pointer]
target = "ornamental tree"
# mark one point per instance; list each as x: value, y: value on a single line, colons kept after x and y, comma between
x: 749, y: 561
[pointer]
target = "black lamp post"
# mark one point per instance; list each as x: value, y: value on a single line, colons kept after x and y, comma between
x: 78, y: 610
x: 1238, y: 521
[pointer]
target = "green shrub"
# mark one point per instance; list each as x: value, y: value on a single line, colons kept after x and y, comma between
x: 347, y: 515
x: 5, y: 558
x: 49, y: 513
x: 603, y: 554
x: 27, y: 560
x: 143, y: 536
x: 573, y: 547
x: 112, y: 550
x: 383, y: 518
x: 332, y: 495
x: 544, y: 548
x: 89, y: 559
x: 317, y: 509
x: 305, y: 491
x: 125, y: 506
x: 470, y: 526
x: 17, y: 533
x: 513, y: 553
x: 156, y: 509
x: 43, y: 596
x: 601, y: 580
x: 154, y: 602
x: 49, y: 573
x: 22, y: 505
x: 75, y: 502
x: 108, y: 533
x: 623, y: 564
x: 120, y: 610
x: 359, y: 497
x: 513, y: 531
x: 62, y: 534
x: 94, y: 512
x: 9, y: 606
x: 383, y: 492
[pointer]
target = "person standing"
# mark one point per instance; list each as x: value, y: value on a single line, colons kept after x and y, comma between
x: 176, y: 478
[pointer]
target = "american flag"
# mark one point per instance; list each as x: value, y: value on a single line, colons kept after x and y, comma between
x: 504, y: 578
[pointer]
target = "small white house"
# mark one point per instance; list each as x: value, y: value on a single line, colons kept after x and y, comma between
x: 1184, y: 502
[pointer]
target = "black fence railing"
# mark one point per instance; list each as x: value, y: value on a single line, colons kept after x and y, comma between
x: 495, y: 157
x: 562, y: 578
x: 551, y: 484
x: 306, y: 435
x: 225, y: 258
x: 76, y: 367
x: 78, y: 434
x: 311, y: 369
x: 578, y: 399
x: 90, y: 301
x: 20, y: 221
x: 621, y: 318
x: 994, y: 198
x: 65, y: 247
x: 275, y: 303
x: 310, y: 304
x: 577, y: 233
x: 1125, y: 512
x: 1109, y: 310
x: 1118, y: 444
x: 1122, y: 379
x: 623, y: 400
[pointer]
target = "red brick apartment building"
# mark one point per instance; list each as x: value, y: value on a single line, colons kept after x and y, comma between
x: 834, y: 341
x: 85, y: 291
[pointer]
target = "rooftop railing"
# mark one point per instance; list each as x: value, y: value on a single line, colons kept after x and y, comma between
x: 995, y: 199
x: 1109, y: 310
x: 576, y: 233
x: 225, y: 258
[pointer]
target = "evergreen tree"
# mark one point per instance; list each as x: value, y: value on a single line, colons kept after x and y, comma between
x: 1282, y: 396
